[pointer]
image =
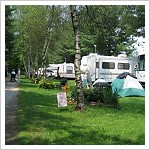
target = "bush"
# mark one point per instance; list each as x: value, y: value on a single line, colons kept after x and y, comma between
x: 90, y: 95
x: 73, y: 95
x: 35, y: 80
x: 110, y: 98
x: 93, y: 95
x: 63, y: 81
x: 103, y: 96
x: 49, y: 84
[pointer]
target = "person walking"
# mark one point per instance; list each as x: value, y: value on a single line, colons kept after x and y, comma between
x: 13, y: 75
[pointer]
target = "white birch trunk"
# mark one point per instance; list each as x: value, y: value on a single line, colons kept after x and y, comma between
x: 80, y: 95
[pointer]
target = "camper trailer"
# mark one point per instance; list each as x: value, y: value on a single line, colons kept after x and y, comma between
x: 52, y: 70
x: 65, y: 70
x: 140, y: 68
x: 96, y: 66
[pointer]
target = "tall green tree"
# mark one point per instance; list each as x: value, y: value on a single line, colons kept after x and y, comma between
x: 43, y: 25
x: 75, y: 23
x: 11, y: 56
x: 112, y: 27
x: 31, y: 29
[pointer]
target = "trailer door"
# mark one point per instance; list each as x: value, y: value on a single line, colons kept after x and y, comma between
x: 97, y: 69
x: 106, y: 69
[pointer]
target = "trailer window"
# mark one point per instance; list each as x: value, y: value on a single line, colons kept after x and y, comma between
x: 108, y: 65
x: 141, y: 63
x: 97, y: 64
x: 123, y: 66
x: 69, y: 69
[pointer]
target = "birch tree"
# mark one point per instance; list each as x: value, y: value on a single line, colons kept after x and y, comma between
x: 80, y: 97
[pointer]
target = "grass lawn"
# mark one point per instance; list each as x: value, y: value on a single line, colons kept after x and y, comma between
x: 41, y: 122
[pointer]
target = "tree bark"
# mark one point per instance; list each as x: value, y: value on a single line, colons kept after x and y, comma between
x: 29, y: 67
x: 44, y: 55
x: 47, y: 39
x: 80, y: 96
x: 26, y: 70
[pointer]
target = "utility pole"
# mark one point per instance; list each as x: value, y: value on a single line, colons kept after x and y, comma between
x: 95, y: 48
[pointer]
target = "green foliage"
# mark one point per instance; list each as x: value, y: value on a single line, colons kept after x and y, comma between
x: 9, y: 36
x: 47, y: 84
x: 11, y: 54
x: 102, y: 96
x: 112, y: 26
x: 35, y: 80
x: 93, y: 95
x: 110, y: 98
x: 63, y: 81
x: 132, y: 19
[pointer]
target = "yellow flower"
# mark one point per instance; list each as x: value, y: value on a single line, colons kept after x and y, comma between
x: 66, y: 88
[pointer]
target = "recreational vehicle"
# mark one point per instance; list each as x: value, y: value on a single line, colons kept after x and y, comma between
x: 65, y: 70
x: 96, y: 66
x: 140, y: 68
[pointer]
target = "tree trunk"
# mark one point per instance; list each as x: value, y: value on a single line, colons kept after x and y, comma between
x: 80, y: 96
x: 36, y: 63
x: 44, y: 55
x: 29, y: 68
x: 25, y: 67
x: 46, y: 44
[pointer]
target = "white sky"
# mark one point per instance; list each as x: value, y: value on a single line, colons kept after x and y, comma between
x: 140, y: 44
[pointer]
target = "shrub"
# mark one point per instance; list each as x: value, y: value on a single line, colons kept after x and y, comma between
x: 110, y: 98
x: 35, y: 80
x: 47, y: 84
x: 73, y: 95
x: 90, y: 95
x: 93, y: 95
x: 63, y: 81
x: 100, y: 95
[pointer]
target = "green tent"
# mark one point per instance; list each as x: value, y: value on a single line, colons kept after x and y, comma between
x: 127, y: 86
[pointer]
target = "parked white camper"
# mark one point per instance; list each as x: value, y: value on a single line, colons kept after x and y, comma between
x: 40, y: 71
x: 65, y: 70
x: 140, y: 69
x: 51, y: 70
x: 105, y: 67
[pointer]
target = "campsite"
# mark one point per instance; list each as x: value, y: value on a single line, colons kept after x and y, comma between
x: 74, y: 75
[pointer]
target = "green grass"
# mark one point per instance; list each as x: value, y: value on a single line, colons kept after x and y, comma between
x: 41, y: 122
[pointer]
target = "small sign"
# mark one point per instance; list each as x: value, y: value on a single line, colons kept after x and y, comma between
x: 62, y: 99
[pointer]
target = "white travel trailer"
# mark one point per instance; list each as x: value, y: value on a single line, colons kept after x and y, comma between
x: 140, y: 68
x: 96, y: 66
x: 65, y: 70
x: 52, y: 70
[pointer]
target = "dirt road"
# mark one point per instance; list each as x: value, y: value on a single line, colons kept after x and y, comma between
x: 11, y: 93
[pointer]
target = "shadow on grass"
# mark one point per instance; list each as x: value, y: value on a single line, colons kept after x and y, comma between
x: 133, y: 105
x: 96, y: 138
x: 73, y: 134
x: 27, y: 84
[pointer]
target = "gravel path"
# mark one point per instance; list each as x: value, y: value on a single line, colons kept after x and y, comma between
x: 11, y: 93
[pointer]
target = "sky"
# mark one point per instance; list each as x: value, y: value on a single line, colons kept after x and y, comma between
x: 139, y: 45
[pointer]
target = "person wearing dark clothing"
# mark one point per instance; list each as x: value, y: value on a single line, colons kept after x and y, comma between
x: 58, y: 76
x: 13, y: 76
x: 5, y: 73
x: 31, y: 75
